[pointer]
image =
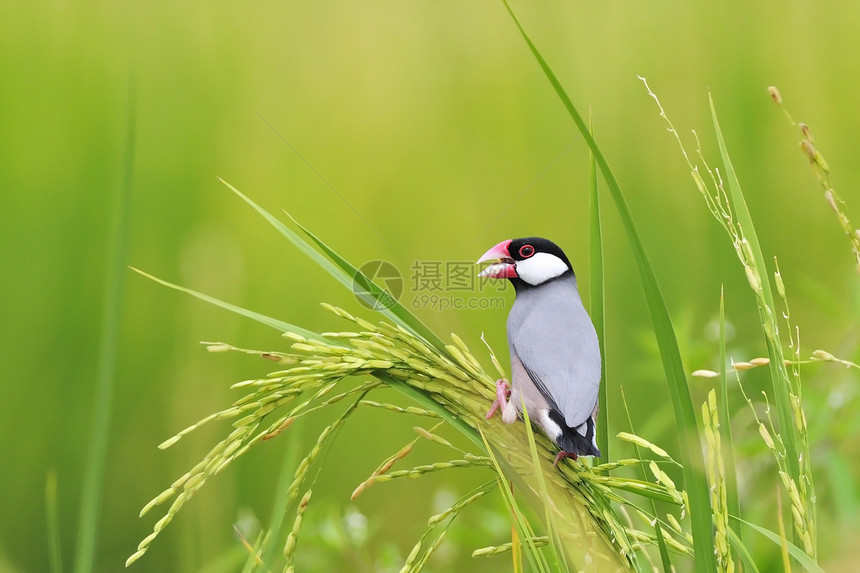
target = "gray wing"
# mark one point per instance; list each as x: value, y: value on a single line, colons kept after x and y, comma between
x: 554, y: 338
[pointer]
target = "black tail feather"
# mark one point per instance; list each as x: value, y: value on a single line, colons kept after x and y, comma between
x: 572, y: 441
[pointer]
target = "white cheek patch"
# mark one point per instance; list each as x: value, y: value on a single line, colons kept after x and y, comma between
x: 540, y: 268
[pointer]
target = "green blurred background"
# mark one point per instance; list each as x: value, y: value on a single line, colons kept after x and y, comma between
x: 434, y: 135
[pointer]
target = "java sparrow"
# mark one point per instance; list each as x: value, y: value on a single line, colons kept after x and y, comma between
x: 555, y: 357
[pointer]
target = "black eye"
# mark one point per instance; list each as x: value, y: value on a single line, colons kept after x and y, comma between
x: 526, y: 251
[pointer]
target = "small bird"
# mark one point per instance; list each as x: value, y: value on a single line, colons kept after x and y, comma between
x: 555, y: 357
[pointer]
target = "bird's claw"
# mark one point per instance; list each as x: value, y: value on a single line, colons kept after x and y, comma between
x: 563, y: 454
x: 503, y: 392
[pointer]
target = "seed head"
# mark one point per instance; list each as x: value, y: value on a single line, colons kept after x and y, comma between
x: 752, y: 278
x: 823, y: 355
x: 809, y: 149
x: 775, y: 95
x: 705, y: 374
x: 780, y: 286
x: 765, y: 435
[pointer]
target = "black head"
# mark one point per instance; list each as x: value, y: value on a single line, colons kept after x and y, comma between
x: 521, y: 249
x: 530, y: 261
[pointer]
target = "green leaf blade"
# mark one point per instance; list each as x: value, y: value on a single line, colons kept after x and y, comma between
x: 99, y: 440
x: 598, y: 306
x: 779, y: 374
x: 523, y: 527
x: 685, y: 417
x: 725, y: 423
x: 557, y: 549
x: 396, y: 311
x: 256, y: 316
x: 346, y: 274
x: 741, y: 549
x: 796, y: 552
x: 664, y: 552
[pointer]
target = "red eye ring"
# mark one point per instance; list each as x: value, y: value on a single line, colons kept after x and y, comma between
x: 526, y: 251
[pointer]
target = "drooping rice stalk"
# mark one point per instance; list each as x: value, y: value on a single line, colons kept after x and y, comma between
x: 585, y: 514
x: 317, y: 373
x: 787, y: 439
x: 822, y: 173
x: 692, y: 462
x: 717, y: 480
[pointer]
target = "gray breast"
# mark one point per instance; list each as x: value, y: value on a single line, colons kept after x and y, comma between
x: 553, y: 337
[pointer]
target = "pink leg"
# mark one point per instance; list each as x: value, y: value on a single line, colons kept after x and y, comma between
x: 563, y: 454
x: 503, y: 391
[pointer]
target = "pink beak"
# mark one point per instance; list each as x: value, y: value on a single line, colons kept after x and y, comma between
x: 504, y: 267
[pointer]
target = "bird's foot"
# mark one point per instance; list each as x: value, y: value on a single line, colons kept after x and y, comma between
x: 563, y: 454
x: 503, y: 392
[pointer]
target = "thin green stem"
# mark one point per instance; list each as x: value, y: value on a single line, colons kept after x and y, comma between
x: 682, y: 403
x: 88, y: 522
x: 597, y: 306
x: 725, y: 424
x: 53, y: 519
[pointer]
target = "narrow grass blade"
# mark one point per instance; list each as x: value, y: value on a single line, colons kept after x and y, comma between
x: 661, y: 542
x: 272, y: 542
x: 597, y: 307
x: 91, y: 498
x: 685, y: 416
x: 279, y: 325
x: 55, y: 552
x: 779, y: 374
x: 728, y: 451
x: 282, y: 326
x: 347, y: 274
x: 516, y: 548
x: 661, y: 545
x: 805, y: 560
x: 524, y: 530
x: 559, y: 563
x: 253, y: 551
x: 396, y: 311
x: 741, y: 549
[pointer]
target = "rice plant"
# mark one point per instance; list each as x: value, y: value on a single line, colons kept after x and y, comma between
x: 450, y: 387
x: 822, y: 173
x: 578, y: 516
x: 790, y: 445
